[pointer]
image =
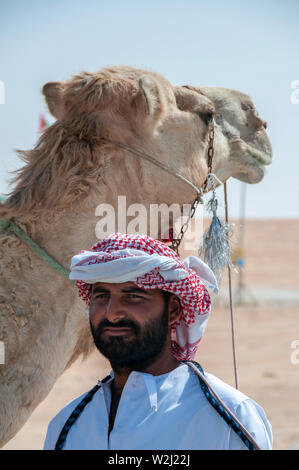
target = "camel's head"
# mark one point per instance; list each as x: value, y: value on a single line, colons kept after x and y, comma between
x: 138, y: 109
x: 247, y: 149
x: 144, y: 111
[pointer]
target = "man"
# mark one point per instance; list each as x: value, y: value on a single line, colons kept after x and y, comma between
x: 147, y: 312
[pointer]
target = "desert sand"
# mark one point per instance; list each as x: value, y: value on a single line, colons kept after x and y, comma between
x: 264, y: 332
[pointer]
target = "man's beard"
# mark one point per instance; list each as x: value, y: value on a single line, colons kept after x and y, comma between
x: 140, y: 350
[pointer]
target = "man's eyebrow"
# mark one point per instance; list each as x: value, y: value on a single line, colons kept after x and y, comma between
x: 135, y: 289
x: 99, y: 289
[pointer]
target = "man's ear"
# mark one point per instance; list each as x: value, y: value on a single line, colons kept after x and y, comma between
x: 174, y: 309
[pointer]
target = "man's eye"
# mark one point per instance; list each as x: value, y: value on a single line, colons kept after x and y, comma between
x: 134, y: 296
x: 101, y: 296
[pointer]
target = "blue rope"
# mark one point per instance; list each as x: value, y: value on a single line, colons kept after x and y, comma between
x: 222, y: 412
x: 216, y: 405
x: 76, y: 413
x: 74, y: 416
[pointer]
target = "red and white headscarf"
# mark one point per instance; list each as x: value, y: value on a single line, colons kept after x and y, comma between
x: 151, y: 264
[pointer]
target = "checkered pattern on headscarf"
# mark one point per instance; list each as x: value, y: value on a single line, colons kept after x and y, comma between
x: 194, y: 297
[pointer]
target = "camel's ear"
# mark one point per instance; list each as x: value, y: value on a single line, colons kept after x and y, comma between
x: 53, y: 93
x: 191, y: 98
x: 154, y: 96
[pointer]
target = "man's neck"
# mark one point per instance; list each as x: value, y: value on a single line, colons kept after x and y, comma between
x: 158, y: 367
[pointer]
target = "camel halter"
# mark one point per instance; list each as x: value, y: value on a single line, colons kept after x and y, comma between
x: 175, y: 242
x: 9, y: 226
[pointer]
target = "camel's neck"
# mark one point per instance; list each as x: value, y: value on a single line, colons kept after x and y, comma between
x: 126, y: 203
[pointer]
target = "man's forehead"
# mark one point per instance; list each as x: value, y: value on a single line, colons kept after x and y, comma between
x: 111, y: 285
x: 122, y: 287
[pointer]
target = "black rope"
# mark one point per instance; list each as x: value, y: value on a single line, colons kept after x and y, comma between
x: 222, y: 412
x: 75, y: 415
x: 212, y: 400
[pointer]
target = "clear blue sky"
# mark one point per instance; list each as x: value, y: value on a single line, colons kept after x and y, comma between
x: 252, y: 46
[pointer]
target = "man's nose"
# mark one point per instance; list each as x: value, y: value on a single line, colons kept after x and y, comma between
x: 114, y: 310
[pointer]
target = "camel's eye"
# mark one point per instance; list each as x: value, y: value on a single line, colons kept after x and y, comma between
x: 247, y: 107
x: 206, y: 117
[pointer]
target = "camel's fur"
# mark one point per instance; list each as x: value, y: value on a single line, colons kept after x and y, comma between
x: 66, y: 176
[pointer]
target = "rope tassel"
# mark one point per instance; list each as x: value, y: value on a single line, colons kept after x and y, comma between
x: 215, y: 248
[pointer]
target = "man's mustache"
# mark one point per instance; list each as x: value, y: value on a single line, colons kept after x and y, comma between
x: 121, y: 324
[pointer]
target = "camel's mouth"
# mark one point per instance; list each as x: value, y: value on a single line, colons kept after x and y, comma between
x: 261, y: 155
x: 250, y: 157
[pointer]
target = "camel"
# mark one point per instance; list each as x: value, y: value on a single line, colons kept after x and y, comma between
x: 67, y: 175
x: 244, y: 131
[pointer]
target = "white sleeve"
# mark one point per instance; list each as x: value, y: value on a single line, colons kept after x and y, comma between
x: 253, y: 418
x: 51, y: 438
x: 54, y: 429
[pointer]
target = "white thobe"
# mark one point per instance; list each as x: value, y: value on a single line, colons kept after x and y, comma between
x: 165, y: 412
